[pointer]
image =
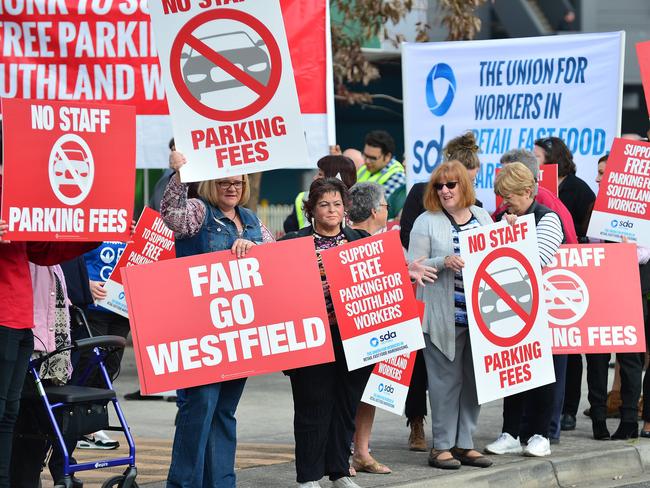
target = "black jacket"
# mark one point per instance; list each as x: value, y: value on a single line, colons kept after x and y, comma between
x: 350, y: 234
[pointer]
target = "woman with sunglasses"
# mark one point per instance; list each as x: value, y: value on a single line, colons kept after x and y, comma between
x: 203, y: 454
x: 449, y: 200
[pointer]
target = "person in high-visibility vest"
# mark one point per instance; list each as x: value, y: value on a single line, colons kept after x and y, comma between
x: 332, y: 166
x: 380, y: 165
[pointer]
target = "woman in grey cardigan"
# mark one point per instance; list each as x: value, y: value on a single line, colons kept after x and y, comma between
x: 449, y: 199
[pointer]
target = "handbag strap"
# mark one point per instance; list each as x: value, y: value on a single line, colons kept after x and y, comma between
x: 453, y: 222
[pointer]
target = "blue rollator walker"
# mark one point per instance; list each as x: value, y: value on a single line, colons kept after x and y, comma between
x: 77, y: 409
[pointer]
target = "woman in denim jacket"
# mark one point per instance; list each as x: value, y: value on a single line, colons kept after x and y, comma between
x: 203, y: 454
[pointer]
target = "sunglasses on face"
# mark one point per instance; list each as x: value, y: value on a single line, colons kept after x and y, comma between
x: 450, y: 185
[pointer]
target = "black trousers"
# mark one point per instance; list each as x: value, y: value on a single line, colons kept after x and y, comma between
x: 646, y: 377
x: 631, y: 368
x: 30, y: 448
x: 325, y: 399
x: 539, y: 410
x: 16, y: 346
x: 416, y: 400
x: 573, y: 386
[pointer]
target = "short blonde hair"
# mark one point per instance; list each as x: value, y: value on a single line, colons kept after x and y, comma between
x: 514, y: 179
x: 449, y: 171
x: 208, y: 191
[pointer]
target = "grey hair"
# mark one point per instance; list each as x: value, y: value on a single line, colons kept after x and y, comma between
x: 364, y: 198
x: 525, y: 157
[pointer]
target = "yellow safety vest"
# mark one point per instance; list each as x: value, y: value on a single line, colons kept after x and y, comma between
x: 300, y: 210
x: 379, y: 177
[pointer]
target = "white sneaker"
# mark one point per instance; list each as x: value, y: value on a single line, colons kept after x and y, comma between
x: 538, y: 446
x: 505, y: 444
x: 309, y: 484
x: 345, y: 482
x: 98, y: 440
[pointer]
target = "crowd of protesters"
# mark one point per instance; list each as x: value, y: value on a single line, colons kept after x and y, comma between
x: 352, y: 196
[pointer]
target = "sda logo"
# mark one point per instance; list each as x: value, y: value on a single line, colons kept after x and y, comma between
x: 374, y: 342
x: 385, y: 388
x: 440, y: 105
x: 622, y: 223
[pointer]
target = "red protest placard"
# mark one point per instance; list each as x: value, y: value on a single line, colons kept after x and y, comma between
x: 547, y: 178
x: 643, y: 55
x: 389, y: 383
x: 91, y: 51
x: 69, y: 170
x: 622, y: 207
x: 151, y: 242
x: 376, y: 310
x: 213, y: 317
x: 586, y: 313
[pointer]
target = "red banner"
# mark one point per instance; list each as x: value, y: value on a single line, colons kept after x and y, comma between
x: 104, y: 51
x: 643, y: 54
x: 622, y: 207
x: 152, y: 241
x: 213, y: 317
x: 586, y: 313
x: 69, y: 170
x: 376, y: 310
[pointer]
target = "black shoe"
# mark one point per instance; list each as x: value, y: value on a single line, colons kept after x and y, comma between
x: 626, y: 430
x: 599, y: 428
x: 645, y: 433
x: 136, y: 395
x: 568, y: 422
x: 554, y: 440
x: 76, y: 482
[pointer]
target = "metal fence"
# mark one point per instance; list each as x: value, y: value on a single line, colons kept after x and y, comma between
x: 273, y: 217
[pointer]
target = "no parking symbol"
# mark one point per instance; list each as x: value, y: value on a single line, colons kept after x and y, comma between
x: 71, y: 169
x: 204, y: 64
x: 502, y: 277
x: 566, y: 296
x: 231, y: 87
x: 505, y: 297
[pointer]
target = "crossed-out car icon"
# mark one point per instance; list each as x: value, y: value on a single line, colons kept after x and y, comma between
x: 516, y: 284
x: 568, y: 290
x: 202, y: 76
x: 77, y: 162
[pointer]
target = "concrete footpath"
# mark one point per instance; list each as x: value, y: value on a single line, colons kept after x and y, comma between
x: 265, y: 420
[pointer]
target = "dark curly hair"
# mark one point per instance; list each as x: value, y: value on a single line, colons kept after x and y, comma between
x: 342, y: 165
x: 321, y: 186
x: 557, y: 152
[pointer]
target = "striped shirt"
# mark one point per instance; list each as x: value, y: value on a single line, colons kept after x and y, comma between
x: 549, y: 237
x: 459, y: 291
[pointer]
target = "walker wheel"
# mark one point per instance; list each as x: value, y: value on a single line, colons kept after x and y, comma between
x: 116, y: 482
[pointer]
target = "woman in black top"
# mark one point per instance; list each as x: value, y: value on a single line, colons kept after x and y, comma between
x: 574, y: 193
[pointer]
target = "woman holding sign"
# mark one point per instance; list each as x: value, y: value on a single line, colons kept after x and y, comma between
x: 449, y: 199
x: 326, y: 396
x: 516, y: 185
x: 206, y: 431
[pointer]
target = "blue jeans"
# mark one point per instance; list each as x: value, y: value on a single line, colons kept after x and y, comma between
x: 16, y: 346
x: 203, y: 455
